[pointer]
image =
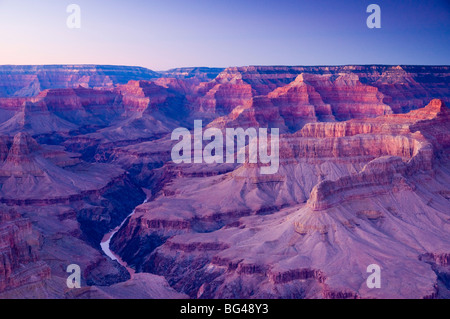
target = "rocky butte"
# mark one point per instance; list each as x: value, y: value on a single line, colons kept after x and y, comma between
x: 363, y: 178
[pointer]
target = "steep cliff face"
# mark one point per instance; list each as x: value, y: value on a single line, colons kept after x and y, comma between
x: 166, y: 96
x: 300, y: 103
x: 223, y: 94
x: 348, y: 97
x: 19, y: 246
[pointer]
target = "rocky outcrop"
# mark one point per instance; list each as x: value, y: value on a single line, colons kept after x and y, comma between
x: 222, y: 95
x: 19, y: 246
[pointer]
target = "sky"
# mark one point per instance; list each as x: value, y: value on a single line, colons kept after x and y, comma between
x: 183, y: 33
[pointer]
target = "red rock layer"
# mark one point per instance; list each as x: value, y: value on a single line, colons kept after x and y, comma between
x: 18, y: 253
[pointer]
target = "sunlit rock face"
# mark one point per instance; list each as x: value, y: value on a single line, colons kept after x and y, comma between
x: 363, y: 179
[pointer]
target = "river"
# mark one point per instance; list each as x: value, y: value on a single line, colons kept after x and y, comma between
x: 106, y: 240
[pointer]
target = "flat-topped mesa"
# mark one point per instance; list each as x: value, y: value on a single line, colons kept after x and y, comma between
x: 377, y: 178
x: 395, y: 124
x: 355, y: 141
x: 347, y: 149
x: 222, y: 95
x: 133, y: 95
x: 74, y: 99
x: 61, y: 97
x: 141, y: 95
x: 138, y: 88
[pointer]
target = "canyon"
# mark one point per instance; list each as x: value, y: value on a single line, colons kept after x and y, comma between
x: 363, y: 178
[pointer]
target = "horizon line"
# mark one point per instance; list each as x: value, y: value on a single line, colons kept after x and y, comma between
x: 217, y: 67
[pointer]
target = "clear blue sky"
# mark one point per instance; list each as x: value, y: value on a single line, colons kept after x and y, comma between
x: 175, y: 33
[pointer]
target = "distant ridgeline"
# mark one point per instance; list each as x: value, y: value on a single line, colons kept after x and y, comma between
x: 29, y: 80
